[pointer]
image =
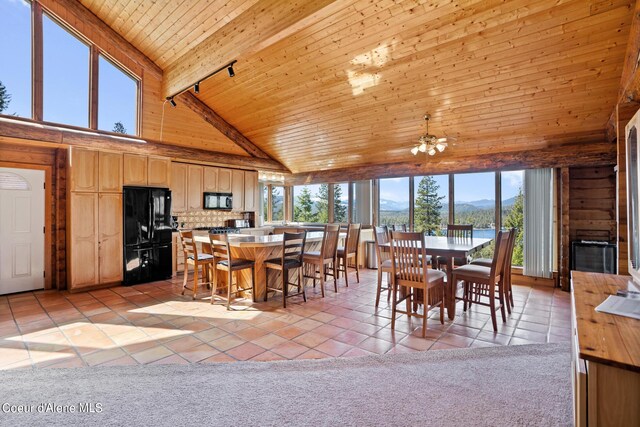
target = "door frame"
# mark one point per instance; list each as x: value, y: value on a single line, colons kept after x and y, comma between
x: 48, y: 235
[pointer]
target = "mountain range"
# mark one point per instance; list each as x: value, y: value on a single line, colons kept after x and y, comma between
x: 392, y: 205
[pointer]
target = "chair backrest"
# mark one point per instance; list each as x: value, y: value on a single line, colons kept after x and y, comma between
x: 189, y: 247
x: 509, y: 259
x: 293, y: 246
x: 460, y: 231
x: 330, y: 241
x: 407, y: 255
x: 353, y: 238
x: 220, y: 247
x: 400, y: 227
x: 500, y: 254
x: 381, y: 236
x: 282, y: 230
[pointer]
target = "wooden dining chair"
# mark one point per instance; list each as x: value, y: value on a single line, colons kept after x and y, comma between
x: 198, y: 261
x: 225, y: 261
x: 410, y: 274
x: 480, y: 281
x: 383, y: 252
x: 350, y: 251
x: 456, y: 231
x: 319, y: 260
x: 506, y: 276
x: 290, y: 259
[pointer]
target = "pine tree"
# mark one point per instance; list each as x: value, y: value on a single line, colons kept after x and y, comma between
x: 118, y: 127
x: 277, y: 213
x: 428, y: 206
x: 303, y: 207
x: 322, y: 204
x: 515, y: 218
x: 5, y: 98
x: 339, y: 207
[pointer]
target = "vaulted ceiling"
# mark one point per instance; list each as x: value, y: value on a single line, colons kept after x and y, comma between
x: 334, y: 84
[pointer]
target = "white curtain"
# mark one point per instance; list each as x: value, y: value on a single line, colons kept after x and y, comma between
x: 538, y: 222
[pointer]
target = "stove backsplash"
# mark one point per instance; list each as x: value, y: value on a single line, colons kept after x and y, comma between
x: 205, y: 218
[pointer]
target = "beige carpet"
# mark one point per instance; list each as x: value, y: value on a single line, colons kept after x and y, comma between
x: 519, y: 385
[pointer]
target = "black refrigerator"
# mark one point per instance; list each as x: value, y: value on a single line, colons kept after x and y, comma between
x: 147, y: 234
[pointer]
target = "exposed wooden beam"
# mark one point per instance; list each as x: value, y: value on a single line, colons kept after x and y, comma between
x: 211, y: 117
x: 24, y: 131
x: 561, y: 155
x: 259, y: 27
x: 36, y: 62
x: 630, y: 80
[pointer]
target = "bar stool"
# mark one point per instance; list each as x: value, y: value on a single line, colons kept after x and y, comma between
x: 350, y: 251
x: 291, y: 259
x: 192, y: 257
x: 326, y: 255
x: 224, y: 261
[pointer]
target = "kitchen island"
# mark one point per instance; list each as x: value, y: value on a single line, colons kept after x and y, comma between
x: 259, y: 249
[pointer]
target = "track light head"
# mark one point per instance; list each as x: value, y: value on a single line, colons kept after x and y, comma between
x: 230, y: 70
x: 196, y: 87
x: 172, y: 102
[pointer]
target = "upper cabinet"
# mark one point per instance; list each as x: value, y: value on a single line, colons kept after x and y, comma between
x: 194, y: 187
x: 83, y: 167
x: 159, y: 172
x: 110, y: 171
x: 210, y: 179
x: 224, y: 180
x: 251, y: 201
x: 178, y: 187
x: 134, y: 170
x: 237, y: 189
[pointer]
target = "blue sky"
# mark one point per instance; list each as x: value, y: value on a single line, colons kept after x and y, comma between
x: 66, y: 74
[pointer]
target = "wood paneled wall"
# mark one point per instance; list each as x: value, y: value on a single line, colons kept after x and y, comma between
x: 592, y: 203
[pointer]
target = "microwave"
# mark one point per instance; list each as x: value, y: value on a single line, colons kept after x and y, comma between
x: 222, y: 201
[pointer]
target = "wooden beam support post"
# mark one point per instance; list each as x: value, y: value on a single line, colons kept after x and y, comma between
x: 564, y: 238
x: 211, y: 117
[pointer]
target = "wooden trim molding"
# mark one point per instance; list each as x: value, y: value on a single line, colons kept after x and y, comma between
x: 93, y: 87
x: 23, y: 131
x: 211, y: 117
x: 36, y: 63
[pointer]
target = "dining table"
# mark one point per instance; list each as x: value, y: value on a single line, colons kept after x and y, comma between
x: 450, y: 248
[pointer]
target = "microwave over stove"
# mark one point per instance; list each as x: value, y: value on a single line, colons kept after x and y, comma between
x: 221, y: 201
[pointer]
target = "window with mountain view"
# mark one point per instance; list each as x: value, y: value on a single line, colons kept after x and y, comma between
x: 265, y: 202
x: 277, y: 203
x: 475, y: 202
x: 15, y: 67
x: 431, y: 204
x: 340, y: 202
x: 394, y: 201
x: 311, y: 203
x: 512, y: 214
x: 65, y: 75
x: 117, y: 99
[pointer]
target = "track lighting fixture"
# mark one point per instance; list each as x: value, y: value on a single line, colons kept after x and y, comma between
x: 230, y: 70
x: 171, y: 101
x: 196, y: 87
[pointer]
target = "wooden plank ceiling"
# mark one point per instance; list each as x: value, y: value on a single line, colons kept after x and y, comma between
x: 350, y: 86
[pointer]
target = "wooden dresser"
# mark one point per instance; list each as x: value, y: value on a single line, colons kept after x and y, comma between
x: 606, y: 355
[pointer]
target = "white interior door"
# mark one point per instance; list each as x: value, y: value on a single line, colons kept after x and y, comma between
x: 21, y: 230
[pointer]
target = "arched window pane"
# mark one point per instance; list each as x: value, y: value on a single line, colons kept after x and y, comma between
x: 12, y: 181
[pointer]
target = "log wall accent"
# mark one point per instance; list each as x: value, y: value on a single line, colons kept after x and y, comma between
x: 592, y: 203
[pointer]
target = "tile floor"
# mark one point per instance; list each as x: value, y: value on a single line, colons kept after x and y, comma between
x: 154, y: 324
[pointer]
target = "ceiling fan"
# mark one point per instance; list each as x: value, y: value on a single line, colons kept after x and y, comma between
x: 431, y: 144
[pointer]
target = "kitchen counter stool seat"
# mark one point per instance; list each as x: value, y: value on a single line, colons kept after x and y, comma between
x: 224, y: 261
x: 198, y: 261
x: 291, y: 259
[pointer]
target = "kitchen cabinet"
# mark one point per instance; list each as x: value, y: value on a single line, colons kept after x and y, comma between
x: 134, y: 171
x: 237, y: 189
x: 159, y: 172
x: 83, y: 170
x: 95, y: 239
x: 178, y: 187
x: 251, y: 201
x: 210, y: 181
x: 224, y: 180
x: 110, y: 172
x: 194, y: 187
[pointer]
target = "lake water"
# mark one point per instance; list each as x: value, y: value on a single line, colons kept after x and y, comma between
x: 483, y: 233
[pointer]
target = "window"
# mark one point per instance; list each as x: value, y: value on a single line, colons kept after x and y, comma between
x: 117, y: 99
x: 65, y: 76
x: 15, y: 66
x: 512, y: 214
x: 394, y: 201
x: 265, y: 203
x: 277, y: 203
x: 340, y: 202
x: 355, y: 217
x: 431, y: 204
x: 475, y: 202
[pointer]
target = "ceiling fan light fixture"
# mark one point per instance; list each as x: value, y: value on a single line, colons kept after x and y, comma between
x: 431, y: 151
x: 428, y: 143
x: 415, y: 150
x: 440, y: 146
x: 423, y: 147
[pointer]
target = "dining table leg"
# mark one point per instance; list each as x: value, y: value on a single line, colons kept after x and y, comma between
x: 450, y: 290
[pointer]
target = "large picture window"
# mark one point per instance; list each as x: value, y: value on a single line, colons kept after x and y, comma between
x: 15, y: 66
x: 431, y: 204
x: 117, y: 99
x: 394, y: 201
x: 277, y: 203
x: 65, y: 76
x: 475, y: 202
x: 513, y: 210
x: 340, y: 202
